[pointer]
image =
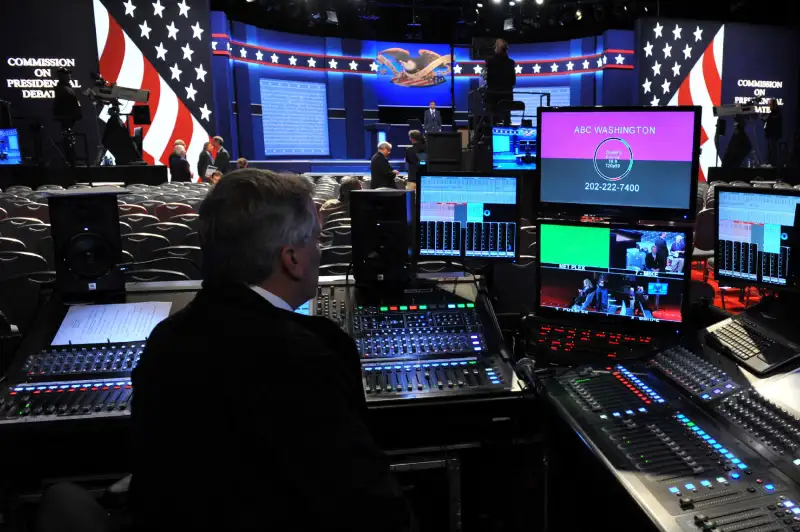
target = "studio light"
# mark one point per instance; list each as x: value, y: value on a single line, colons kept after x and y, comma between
x: 332, y: 17
x: 497, y: 1
x: 480, y: 5
x: 508, y: 24
x: 578, y: 14
x: 539, y: 2
x: 512, y: 3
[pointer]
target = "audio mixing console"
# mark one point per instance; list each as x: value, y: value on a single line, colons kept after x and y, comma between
x: 688, y: 457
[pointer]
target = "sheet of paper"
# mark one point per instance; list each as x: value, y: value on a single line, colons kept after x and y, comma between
x: 99, y: 324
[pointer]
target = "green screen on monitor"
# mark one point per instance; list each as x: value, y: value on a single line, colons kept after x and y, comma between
x: 576, y: 245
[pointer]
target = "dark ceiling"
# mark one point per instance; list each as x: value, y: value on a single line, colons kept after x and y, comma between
x: 457, y: 21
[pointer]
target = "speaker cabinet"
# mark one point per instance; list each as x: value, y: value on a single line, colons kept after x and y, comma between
x: 87, y: 246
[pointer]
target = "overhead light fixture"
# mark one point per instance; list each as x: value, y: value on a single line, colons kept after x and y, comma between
x: 539, y: 2
x: 497, y: 1
x: 645, y: 9
x: 480, y: 5
x: 332, y: 17
x: 512, y: 3
x: 578, y: 14
x: 625, y: 7
x: 508, y: 24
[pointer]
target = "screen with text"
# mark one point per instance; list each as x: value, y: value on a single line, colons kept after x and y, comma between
x: 631, y: 273
x: 617, y: 158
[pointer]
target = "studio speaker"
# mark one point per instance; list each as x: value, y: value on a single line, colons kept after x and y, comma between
x: 87, y: 246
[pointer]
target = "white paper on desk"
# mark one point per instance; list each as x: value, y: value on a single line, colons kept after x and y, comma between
x: 99, y: 324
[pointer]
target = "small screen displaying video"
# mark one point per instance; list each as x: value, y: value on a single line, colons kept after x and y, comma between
x: 9, y: 147
x: 635, y: 274
x: 514, y: 148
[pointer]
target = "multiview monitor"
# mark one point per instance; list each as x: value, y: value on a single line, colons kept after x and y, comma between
x: 513, y: 148
x: 9, y: 147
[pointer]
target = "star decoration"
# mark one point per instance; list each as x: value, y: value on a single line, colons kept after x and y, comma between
x: 676, y: 69
x: 197, y: 31
x: 698, y: 34
x: 184, y: 8
x: 145, y: 30
x: 620, y: 59
x: 585, y: 64
x: 259, y: 55
x: 665, y: 86
x: 205, y: 112
x: 536, y: 68
x: 570, y: 65
x: 677, y: 32
x: 648, y: 49
x: 161, y: 52
x: 243, y: 52
x: 201, y: 72
x: 554, y: 67
x: 654, y: 103
x: 656, y: 68
x: 518, y: 69
x: 374, y: 67
x: 605, y: 59
x: 190, y: 92
x: 229, y: 47
x: 293, y: 61
x: 599, y: 62
x: 158, y: 9
x: 667, y: 51
x: 658, y: 29
x: 478, y: 69
x: 646, y: 85
x: 332, y: 63
x: 214, y: 45
x: 173, y: 31
x: 353, y: 65
x: 311, y: 62
x: 129, y: 7
x: 176, y: 72
x: 273, y: 57
x: 687, y: 52
x: 187, y: 52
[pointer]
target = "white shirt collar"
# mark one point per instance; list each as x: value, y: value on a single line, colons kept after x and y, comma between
x: 272, y: 298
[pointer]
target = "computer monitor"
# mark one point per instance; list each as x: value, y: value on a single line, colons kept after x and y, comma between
x: 619, y: 161
x: 471, y: 215
x: 9, y: 147
x: 613, y: 274
x: 514, y: 148
x: 755, y: 236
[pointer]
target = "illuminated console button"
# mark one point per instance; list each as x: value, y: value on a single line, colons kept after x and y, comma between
x: 674, y: 490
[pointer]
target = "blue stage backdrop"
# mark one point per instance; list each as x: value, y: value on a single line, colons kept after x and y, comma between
x: 687, y: 62
x: 280, y: 95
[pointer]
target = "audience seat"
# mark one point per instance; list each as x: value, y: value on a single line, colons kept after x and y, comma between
x: 132, y: 198
x: 191, y: 253
x: 175, y: 232
x: 136, y: 221
x: 167, y: 210
x: 14, y: 263
x: 175, y: 264
x: 40, y: 211
x: 192, y: 239
x: 131, y: 208
x: 142, y: 245
x: 152, y: 276
x: 125, y: 228
x: 30, y: 235
x: 192, y: 220
x: 336, y: 255
x: 3, y: 213
x: 170, y: 198
x: 151, y: 205
x: 11, y: 244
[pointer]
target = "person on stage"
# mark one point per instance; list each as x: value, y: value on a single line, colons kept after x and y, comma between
x: 204, y: 162
x: 174, y: 157
x: 677, y: 250
x: 179, y: 169
x: 501, y: 77
x: 418, y: 146
x: 223, y: 157
x: 433, y: 119
x: 654, y: 261
x: 380, y: 169
x: 773, y: 130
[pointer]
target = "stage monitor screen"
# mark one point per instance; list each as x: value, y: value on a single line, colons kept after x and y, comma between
x: 612, y: 273
x: 9, y: 147
x: 617, y: 161
x: 514, y: 148
x: 469, y: 215
x: 755, y: 237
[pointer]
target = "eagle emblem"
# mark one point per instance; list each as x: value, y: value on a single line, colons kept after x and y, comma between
x: 425, y: 70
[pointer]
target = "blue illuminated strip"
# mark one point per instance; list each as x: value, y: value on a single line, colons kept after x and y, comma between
x: 724, y: 453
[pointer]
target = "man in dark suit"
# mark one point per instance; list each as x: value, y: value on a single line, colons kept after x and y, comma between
x: 380, y: 169
x: 204, y: 162
x: 413, y: 157
x: 661, y: 247
x: 223, y: 158
x: 174, y: 155
x: 433, y: 119
x: 501, y: 77
x: 258, y: 451
x: 654, y: 262
x: 179, y: 168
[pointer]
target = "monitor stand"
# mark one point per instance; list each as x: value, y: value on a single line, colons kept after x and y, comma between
x: 776, y: 313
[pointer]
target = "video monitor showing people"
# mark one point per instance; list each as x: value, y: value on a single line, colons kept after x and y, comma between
x: 755, y: 236
x: 9, y: 147
x: 514, y: 148
x: 635, y: 273
x: 603, y: 157
x: 474, y: 216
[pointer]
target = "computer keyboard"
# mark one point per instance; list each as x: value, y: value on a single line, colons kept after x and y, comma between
x: 569, y: 339
x: 752, y: 345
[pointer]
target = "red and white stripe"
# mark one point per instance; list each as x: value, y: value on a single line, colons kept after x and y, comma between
x: 122, y: 62
x: 703, y: 87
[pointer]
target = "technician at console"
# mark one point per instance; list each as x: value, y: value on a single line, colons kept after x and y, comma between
x: 248, y: 416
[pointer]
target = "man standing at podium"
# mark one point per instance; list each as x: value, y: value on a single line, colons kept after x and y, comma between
x: 433, y: 119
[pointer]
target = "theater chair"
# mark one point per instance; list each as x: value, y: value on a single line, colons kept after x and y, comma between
x: 167, y: 210
x: 40, y: 211
x: 143, y: 245
x: 11, y: 244
x: 15, y: 263
x: 138, y: 221
x: 187, y: 252
x: 173, y: 264
x: 174, y: 232
x: 154, y: 276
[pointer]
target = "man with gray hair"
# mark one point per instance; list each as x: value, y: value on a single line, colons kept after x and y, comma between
x: 267, y: 412
x: 380, y: 169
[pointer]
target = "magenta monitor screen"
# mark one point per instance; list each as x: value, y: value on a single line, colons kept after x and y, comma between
x: 612, y: 273
x: 604, y: 159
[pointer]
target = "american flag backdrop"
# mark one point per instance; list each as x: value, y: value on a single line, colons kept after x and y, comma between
x: 164, y: 47
x: 680, y: 63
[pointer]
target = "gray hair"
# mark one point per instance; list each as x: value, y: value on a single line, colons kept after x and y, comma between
x: 180, y: 150
x: 384, y: 145
x: 247, y: 218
